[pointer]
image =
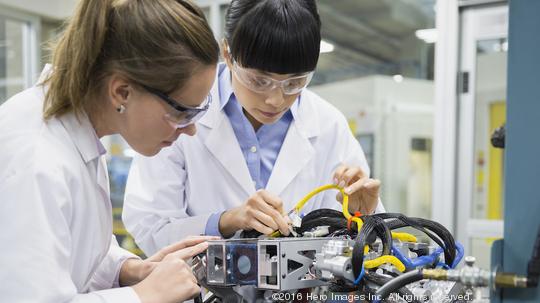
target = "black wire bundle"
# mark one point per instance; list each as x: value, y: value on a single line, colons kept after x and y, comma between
x: 373, y: 227
x: 324, y: 217
x: 435, y: 231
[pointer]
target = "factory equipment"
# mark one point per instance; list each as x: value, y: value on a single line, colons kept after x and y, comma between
x: 332, y: 256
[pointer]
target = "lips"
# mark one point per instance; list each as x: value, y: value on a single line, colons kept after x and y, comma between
x: 269, y: 114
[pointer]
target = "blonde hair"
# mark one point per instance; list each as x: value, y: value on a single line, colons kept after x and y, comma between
x: 157, y: 43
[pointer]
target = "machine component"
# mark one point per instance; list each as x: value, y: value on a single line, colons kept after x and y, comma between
x: 232, y: 262
x: 334, y: 261
x: 286, y: 263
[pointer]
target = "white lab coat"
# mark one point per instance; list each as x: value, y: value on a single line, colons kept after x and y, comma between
x: 171, y: 195
x: 55, y: 211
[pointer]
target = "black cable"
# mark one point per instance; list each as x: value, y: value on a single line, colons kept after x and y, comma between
x: 333, y: 223
x: 322, y: 213
x: 373, y: 227
x: 394, y: 284
x: 437, y: 232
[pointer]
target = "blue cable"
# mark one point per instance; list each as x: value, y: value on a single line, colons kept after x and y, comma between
x: 461, y: 252
x: 416, y: 262
x: 361, y: 275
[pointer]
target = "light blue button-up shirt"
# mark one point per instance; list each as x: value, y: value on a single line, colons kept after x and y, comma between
x: 260, y: 148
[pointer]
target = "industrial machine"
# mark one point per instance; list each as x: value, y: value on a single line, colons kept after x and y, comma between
x: 332, y: 256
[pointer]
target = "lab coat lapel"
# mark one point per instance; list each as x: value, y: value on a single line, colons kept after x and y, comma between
x: 295, y: 153
x: 219, y: 143
x: 297, y: 150
x: 103, y: 176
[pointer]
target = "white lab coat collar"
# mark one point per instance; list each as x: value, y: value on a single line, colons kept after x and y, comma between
x: 83, y: 135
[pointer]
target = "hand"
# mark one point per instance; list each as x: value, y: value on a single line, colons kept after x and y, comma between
x: 262, y: 212
x: 363, y: 192
x: 165, y: 276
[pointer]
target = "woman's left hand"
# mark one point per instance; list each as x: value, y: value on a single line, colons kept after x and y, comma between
x: 363, y: 191
x: 135, y: 270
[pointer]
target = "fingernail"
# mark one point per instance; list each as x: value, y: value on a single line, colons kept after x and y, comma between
x: 341, y: 184
x: 347, y: 190
x: 335, y: 181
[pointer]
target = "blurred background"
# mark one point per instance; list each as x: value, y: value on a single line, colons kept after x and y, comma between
x: 421, y: 82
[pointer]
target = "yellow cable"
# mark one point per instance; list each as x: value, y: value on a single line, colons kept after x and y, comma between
x: 345, y: 204
x: 385, y: 259
x: 405, y: 237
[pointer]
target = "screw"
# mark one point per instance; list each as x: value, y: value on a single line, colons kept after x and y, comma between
x: 283, y: 255
x: 283, y: 276
x: 469, y: 260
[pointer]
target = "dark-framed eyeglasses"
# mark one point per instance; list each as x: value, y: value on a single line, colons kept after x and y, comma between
x: 182, y: 115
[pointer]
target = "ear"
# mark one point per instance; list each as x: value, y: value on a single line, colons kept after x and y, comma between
x: 225, y: 53
x: 119, y: 90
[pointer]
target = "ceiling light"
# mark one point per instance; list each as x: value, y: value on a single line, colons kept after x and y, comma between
x: 326, y: 47
x: 429, y: 35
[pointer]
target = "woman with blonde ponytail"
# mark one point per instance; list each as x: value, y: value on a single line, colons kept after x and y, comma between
x: 139, y: 68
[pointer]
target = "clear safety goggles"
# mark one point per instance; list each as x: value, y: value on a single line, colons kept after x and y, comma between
x: 181, y: 115
x: 264, y: 84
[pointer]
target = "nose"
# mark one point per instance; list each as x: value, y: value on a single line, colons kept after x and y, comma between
x: 275, y: 98
x: 189, y: 130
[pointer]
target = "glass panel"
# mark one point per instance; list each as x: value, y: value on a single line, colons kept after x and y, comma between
x: 418, y: 195
x: 12, y: 51
x: 490, y: 113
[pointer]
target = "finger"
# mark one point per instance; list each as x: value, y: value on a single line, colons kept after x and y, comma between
x: 277, y: 217
x: 190, y: 241
x: 189, y: 252
x: 265, y: 219
x: 356, y: 186
x: 373, y: 184
x: 263, y: 229
x: 272, y: 200
x: 372, y: 187
x: 339, y: 197
x: 338, y: 173
x: 352, y: 174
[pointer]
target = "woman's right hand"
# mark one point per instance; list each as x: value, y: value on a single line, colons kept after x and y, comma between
x: 263, y: 212
x: 170, y: 278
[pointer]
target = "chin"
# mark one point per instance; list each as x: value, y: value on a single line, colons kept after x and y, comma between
x: 149, y: 152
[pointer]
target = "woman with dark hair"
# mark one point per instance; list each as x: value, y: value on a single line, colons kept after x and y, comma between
x: 140, y: 69
x: 265, y: 143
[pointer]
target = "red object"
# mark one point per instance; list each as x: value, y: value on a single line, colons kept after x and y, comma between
x: 357, y: 214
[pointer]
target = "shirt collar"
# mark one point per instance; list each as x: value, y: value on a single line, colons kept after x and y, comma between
x: 83, y: 135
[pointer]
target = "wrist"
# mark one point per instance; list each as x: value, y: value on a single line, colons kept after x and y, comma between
x: 133, y: 271
x: 228, y: 223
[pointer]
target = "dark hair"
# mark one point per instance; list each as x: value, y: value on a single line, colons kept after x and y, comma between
x: 278, y: 36
x: 158, y: 43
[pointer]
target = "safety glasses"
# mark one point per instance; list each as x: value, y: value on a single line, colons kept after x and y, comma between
x: 181, y: 115
x: 264, y: 84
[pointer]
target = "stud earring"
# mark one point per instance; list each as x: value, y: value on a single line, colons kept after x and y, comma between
x: 121, y: 109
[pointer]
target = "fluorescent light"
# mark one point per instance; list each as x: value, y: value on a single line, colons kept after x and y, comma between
x: 398, y: 78
x: 429, y: 35
x: 326, y: 47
